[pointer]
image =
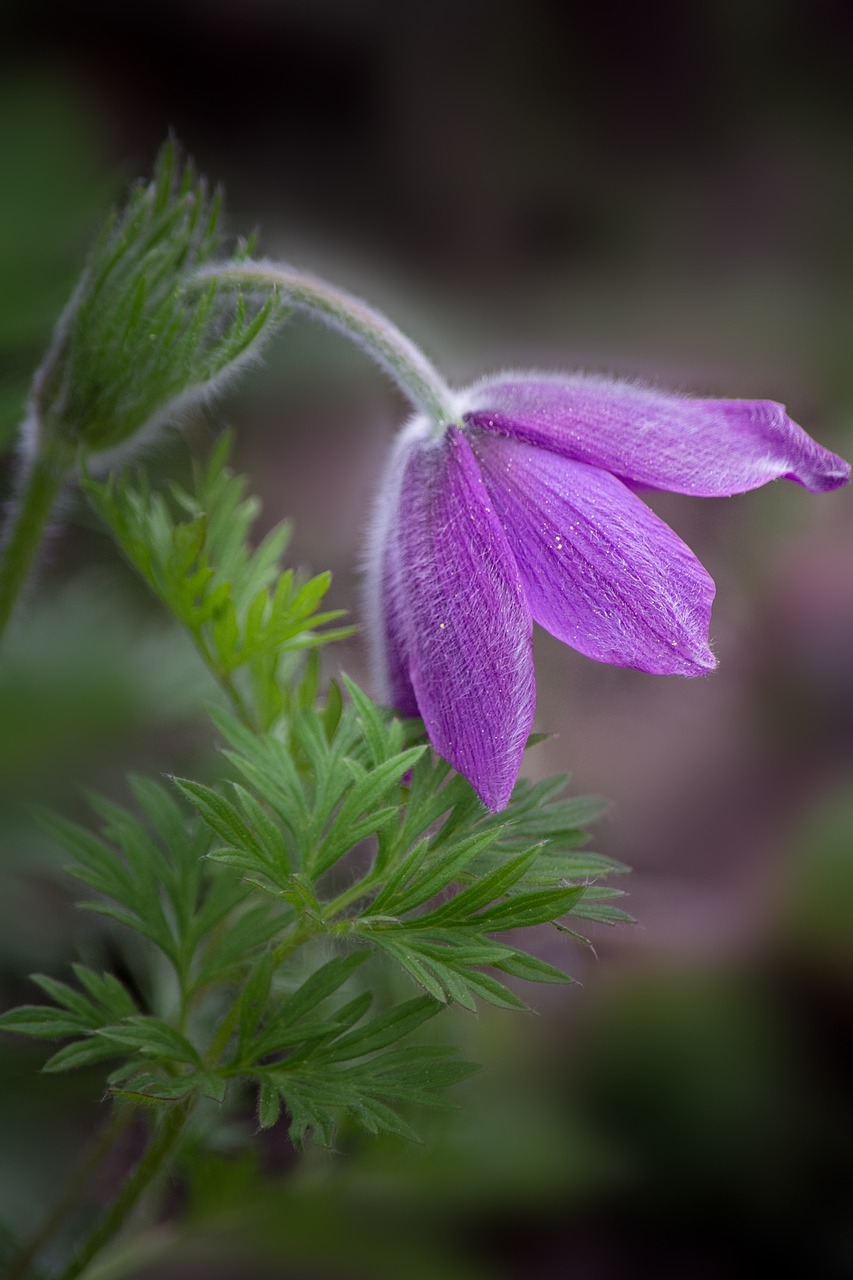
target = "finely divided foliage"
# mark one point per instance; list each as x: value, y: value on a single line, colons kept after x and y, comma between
x: 265, y: 912
x: 139, y: 338
x: 338, y: 836
x: 242, y: 613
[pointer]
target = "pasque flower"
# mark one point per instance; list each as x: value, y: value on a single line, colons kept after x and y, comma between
x: 522, y: 510
x: 513, y: 503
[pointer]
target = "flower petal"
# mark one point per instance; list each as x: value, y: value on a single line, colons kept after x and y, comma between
x: 398, y: 691
x: 465, y: 625
x: 709, y: 448
x: 601, y: 571
x: 383, y: 600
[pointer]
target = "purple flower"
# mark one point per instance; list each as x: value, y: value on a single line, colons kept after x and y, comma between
x: 523, y: 511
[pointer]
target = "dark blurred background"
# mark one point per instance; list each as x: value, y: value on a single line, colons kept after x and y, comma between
x: 661, y: 190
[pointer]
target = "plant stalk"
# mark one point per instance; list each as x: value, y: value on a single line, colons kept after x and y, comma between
x: 150, y: 1164
x: 42, y: 483
x: 416, y: 377
x: 104, y: 1143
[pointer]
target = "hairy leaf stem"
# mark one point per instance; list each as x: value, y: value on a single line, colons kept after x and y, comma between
x: 223, y: 679
x: 152, y: 1161
x: 361, y: 889
x: 43, y: 478
x: 104, y: 1143
x: 293, y: 942
x: 413, y: 373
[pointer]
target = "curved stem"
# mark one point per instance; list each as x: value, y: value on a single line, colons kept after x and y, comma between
x: 416, y: 377
x: 127, y: 1198
x: 42, y: 483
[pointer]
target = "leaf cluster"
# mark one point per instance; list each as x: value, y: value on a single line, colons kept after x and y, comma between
x: 318, y: 1066
x: 333, y: 830
x: 193, y: 549
x: 443, y: 876
x: 337, y: 830
x: 139, y: 339
x: 151, y: 875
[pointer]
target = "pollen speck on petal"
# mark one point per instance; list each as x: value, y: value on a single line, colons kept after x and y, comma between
x: 458, y: 622
x: 627, y: 591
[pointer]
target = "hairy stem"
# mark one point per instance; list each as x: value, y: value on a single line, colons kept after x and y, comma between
x: 292, y: 943
x: 104, y: 1143
x: 224, y: 681
x: 416, y: 377
x: 42, y: 481
x: 115, y: 1217
x: 361, y: 889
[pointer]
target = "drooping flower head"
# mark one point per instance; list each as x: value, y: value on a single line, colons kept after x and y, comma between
x: 522, y: 510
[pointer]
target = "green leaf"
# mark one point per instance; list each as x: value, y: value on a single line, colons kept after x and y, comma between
x: 151, y: 1089
x: 382, y: 1030
x: 43, y: 1021
x: 253, y: 1000
x: 82, y: 1053
x: 268, y: 766
x: 492, y: 991
x: 555, y: 868
x: 153, y: 1038
x: 376, y: 1118
x: 211, y: 1085
x: 269, y: 1104
x: 318, y: 987
x: 364, y: 798
x: 222, y: 817
x: 522, y: 965
x: 107, y: 991
x: 525, y: 909
x: 405, y: 889
x: 444, y: 964
x: 99, y: 866
x: 315, y: 1090
x: 224, y: 955
x: 306, y: 1115
x: 372, y: 722
x: 268, y: 833
x: 194, y: 550
x: 333, y: 709
x: 438, y: 983
x: 601, y: 913
x: 464, y: 905
x: 76, y: 1003
x: 305, y: 1037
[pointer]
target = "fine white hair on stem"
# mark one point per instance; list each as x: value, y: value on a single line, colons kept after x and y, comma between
x: 404, y: 363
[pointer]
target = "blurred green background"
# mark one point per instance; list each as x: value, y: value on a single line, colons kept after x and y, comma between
x: 659, y: 190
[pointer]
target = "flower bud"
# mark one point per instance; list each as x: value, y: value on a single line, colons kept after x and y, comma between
x: 141, y: 338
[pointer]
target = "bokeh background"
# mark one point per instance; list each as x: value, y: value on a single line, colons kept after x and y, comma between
x: 661, y: 190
